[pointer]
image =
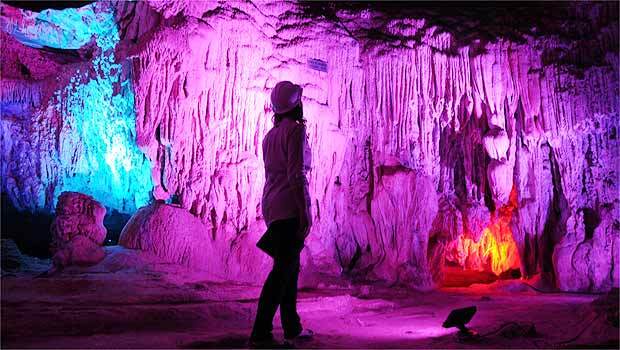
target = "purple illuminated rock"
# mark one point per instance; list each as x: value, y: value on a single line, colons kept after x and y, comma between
x: 176, y: 236
x: 403, y: 207
x: 420, y: 127
x: 77, y: 230
x: 587, y: 258
x: 477, y: 121
x: 169, y: 232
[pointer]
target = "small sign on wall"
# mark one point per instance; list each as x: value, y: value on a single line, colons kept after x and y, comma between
x: 317, y: 64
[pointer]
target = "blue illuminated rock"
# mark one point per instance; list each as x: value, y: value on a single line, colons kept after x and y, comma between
x: 71, y: 125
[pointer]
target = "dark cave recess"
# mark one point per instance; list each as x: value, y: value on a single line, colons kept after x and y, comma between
x: 40, y: 5
x: 31, y: 230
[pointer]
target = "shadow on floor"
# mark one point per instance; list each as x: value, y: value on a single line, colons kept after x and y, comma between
x: 230, y: 342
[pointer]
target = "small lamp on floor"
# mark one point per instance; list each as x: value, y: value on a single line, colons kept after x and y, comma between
x: 459, y: 318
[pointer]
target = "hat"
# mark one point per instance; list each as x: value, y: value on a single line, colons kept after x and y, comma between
x: 285, y: 96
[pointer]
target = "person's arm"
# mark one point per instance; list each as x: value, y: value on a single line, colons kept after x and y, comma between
x: 297, y: 178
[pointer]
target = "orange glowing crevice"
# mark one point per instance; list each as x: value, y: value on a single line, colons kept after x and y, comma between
x: 496, y: 249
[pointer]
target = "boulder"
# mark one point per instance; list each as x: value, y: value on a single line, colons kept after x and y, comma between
x: 77, y: 231
x: 176, y: 236
x: 169, y: 232
x: 11, y: 256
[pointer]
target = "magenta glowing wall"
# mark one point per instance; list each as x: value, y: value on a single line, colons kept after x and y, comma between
x: 419, y: 140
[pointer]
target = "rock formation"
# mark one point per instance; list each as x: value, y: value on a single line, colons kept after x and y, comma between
x: 77, y: 231
x: 485, y: 138
x: 67, y: 111
x: 176, y: 236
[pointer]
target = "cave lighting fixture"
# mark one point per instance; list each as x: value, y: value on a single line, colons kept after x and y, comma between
x: 459, y: 318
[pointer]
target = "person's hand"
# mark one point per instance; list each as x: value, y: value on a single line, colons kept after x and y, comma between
x: 305, y: 222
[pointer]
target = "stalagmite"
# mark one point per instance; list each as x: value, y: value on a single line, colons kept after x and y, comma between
x: 78, y: 232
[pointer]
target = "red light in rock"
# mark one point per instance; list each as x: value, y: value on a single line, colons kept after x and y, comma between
x: 496, y: 249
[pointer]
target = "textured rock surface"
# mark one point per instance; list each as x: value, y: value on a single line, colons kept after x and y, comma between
x: 11, y: 256
x: 67, y: 111
x: 15, y: 263
x: 477, y: 118
x: 433, y: 131
x: 77, y: 231
x: 387, y: 235
x: 176, y: 236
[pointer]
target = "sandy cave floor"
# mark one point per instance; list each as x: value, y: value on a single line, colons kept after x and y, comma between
x: 131, y: 300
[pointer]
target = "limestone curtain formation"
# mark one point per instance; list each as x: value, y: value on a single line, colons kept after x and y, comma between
x: 436, y: 140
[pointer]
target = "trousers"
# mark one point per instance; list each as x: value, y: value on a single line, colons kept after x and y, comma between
x: 280, y: 288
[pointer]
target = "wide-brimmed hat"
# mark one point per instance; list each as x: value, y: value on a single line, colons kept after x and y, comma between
x: 285, y: 96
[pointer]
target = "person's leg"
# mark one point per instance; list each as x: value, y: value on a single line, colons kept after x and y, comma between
x: 291, y: 323
x: 280, y: 288
x: 267, y: 305
x: 271, y: 294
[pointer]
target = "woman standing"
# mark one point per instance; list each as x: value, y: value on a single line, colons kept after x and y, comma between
x: 286, y: 210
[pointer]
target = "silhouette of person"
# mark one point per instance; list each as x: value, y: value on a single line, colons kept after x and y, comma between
x: 286, y: 210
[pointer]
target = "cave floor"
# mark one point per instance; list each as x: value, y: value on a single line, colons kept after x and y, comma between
x: 154, y: 305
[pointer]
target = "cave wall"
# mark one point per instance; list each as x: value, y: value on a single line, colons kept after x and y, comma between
x: 419, y: 134
x: 68, y: 119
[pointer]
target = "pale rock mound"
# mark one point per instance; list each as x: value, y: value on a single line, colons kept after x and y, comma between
x: 169, y: 232
x: 176, y: 236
